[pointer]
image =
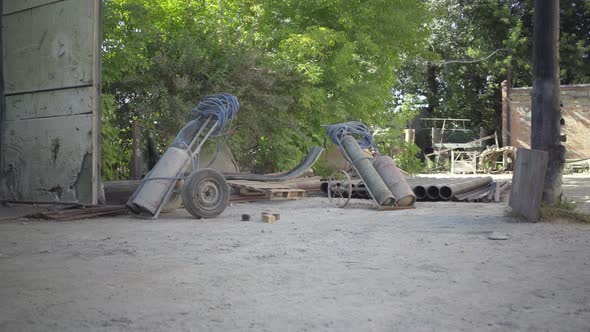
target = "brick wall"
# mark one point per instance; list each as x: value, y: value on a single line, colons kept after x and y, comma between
x: 516, y: 118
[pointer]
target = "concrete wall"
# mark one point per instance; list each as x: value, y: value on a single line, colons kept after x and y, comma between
x: 516, y: 118
x: 50, y: 126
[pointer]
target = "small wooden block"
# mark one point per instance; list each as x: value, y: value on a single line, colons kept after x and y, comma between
x: 277, y: 216
x: 268, y: 218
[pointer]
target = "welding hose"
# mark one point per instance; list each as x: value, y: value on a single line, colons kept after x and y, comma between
x: 354, y: 128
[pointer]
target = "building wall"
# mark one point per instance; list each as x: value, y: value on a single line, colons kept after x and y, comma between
x: 50, y: 126
x: 516, y: 118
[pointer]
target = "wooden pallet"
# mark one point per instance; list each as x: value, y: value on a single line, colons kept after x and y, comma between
x: 270, y: 190
x: 258, y: 185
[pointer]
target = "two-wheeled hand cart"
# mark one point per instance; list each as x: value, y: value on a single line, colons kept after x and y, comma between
x: 178, y: 177
x: 371, y: 175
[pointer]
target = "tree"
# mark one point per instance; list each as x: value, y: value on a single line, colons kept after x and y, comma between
x: 293, y: 65
x: 471, y: 31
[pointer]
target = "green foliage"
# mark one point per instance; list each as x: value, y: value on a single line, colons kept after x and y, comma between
x: 472, y: 30
x: 407, y: 159
x: 293, y: 65
x: 116, y: 149
x: 391, y: 139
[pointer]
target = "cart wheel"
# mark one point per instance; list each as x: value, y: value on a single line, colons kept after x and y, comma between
x: 175, y: 198
x: 205, y: 193
x: 340, y: 188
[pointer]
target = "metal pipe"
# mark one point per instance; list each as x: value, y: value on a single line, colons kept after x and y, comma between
x: 200, y: 145
x: 310, y: 159
x: 450, y: 190
x: 433, y: 191
x: 394, y: 180
x: 420, y: 189
x: 198, y: 134
x: 367, y: 171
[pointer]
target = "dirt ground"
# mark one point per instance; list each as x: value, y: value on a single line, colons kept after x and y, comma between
x: 319, y: 268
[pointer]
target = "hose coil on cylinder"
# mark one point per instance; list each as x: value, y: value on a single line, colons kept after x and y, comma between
x: 354, y: 128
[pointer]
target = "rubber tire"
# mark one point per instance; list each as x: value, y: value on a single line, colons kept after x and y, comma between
x: 192, y: 185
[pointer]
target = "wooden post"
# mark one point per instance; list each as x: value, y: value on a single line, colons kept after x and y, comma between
x: 452, y: 161
x: 505, y: 115
x: 96, y: 95
x: 546, y: 115
x: 410, y: 135
x: 136, y: 161
x: 2, y: 101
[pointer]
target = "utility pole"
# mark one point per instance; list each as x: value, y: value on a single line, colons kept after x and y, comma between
x: 546, y: 114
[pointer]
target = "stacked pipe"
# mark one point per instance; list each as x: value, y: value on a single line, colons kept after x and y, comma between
x: 432, y: 189
x: 371, y: 177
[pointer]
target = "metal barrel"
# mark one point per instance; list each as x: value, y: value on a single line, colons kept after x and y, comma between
x: 151, y: 193
x: 394, y: 180
x: 448, y: 191
x: 365, y: 167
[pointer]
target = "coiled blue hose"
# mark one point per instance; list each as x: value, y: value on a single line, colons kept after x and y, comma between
x: 357, y: 129
x: 222, y: 108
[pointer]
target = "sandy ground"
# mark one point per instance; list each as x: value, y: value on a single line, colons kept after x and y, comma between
x: 319, y: 268
x: 576, y: 188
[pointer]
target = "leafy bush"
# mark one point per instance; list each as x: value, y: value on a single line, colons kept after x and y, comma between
x: 294, y: 66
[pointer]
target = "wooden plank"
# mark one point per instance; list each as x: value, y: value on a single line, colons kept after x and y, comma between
x: 395, y: 208
x: 46, y: 158
x: 49, y: 104
x: 259, y: 185
x: 495, y: 187
x: 136, y: 157
x: 96, y: 99
x: 2, y: 99
x: 50, y: 47
x: 499, y: 190
x: 81, y: 213
x: 11, y: 6
x: 527, y: 182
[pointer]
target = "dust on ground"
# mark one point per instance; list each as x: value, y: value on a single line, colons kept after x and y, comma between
x: 318, y: 268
